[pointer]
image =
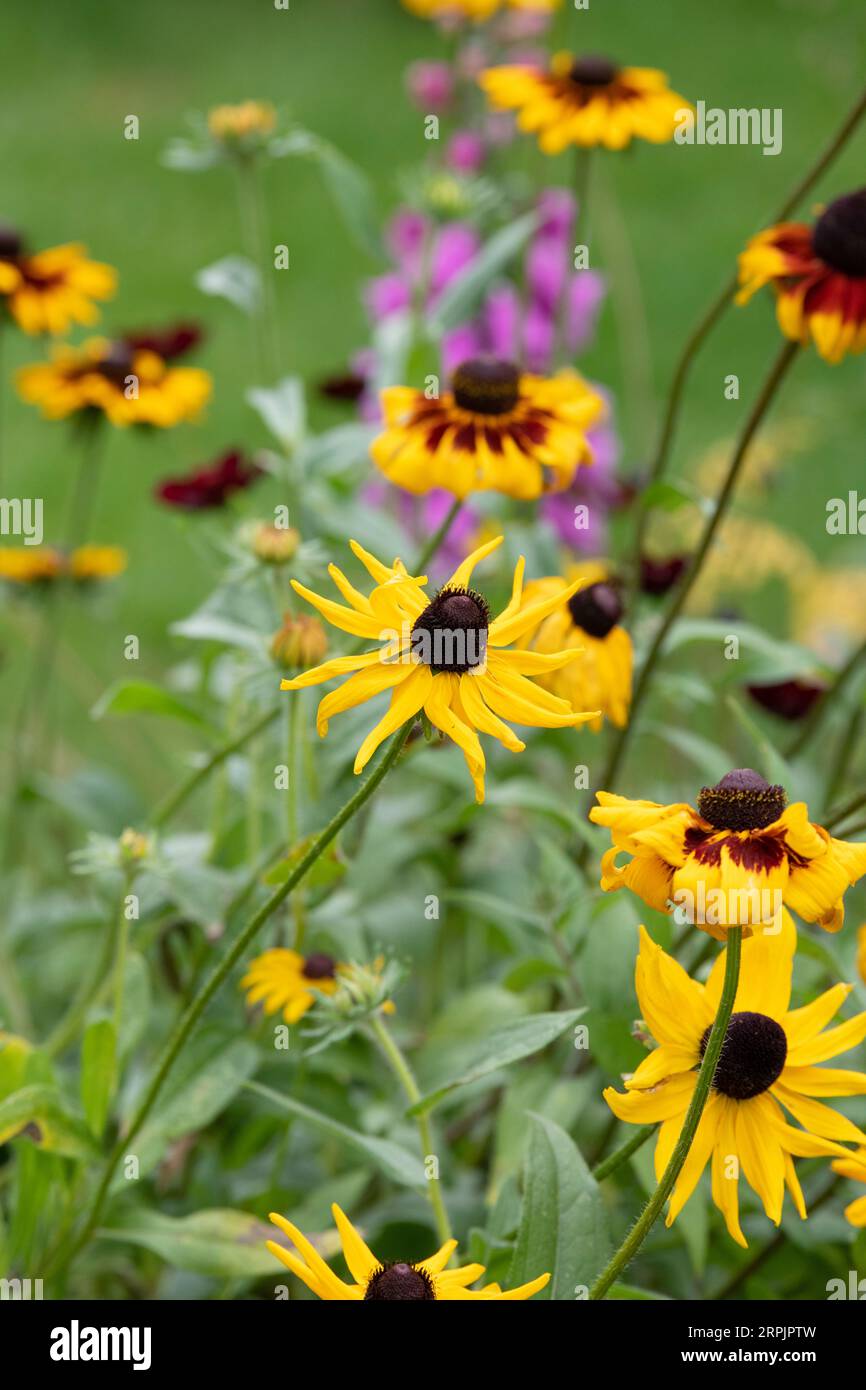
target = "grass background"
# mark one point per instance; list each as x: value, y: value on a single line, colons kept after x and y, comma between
x: 73, y: 73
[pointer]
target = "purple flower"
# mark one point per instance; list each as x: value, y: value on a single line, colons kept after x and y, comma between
x: 456, y: 245
x: 546, y: 268
x: 430, y: 85
x: 404, y: 237
x: 386, y: 295
x: 556, y: 207
x: 539, y: 337
x: 584, y: 294
x: 459, y: 344
x: 466, y: 152
x: 502, y: 322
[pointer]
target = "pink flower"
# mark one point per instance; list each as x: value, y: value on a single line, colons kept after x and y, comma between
x: 584, y: 295
x: 387, y: 295
x: 456, y: 245
x: 404, y: 237
x: 430, y: 85
x: 466, y: 152
x: 502, y: 322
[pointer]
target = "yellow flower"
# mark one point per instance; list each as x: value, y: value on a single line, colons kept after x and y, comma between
x: 854, y: 1168
x: 861, y: 952
x: 441, y: 655
x: 50, y: 291
x: 477, y: 10
x: 818, y: 274
x: 97, y: 562
x: 830, y: 611
x: 248, y: 118
x: 26, y: 564
x: 768, y: 1060
x: 129, y: 386
x: 734, y: 861
x: 588, y: 624
x: 586, y: 101
x: 281, y: 979
x: 422, y: 1281
x: 496, y: 428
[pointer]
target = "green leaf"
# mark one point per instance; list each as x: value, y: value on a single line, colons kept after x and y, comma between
x: 563, y: 1228
x: 499, y: 1049
x: 762, y: 655
x: 670, y: 496
x: 465, y: 292
x: 37, y: 1112
x: 713, y: 762
x: 14, y: 1052
x: 328, y: 868
x: 233, y: 278
x: 628, y: 1293
x: 395, y: 1162
x: 143, y: 697
x: 283, y: 409
x: 219, y: 1243
x: 347, y: 184
x: 98, y: 1073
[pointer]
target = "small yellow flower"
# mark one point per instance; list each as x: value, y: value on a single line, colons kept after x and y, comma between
x: 497, y: 429
x: 477, y: 10
x: 768, y: 1061
x: 130, y: 386
x: 248, y: 118
x: 423, y: 1281
x: 854, y: 1168
x: 734, y: 860
x: 589, y: 624
x: 90, y: 562
x: 442, y: 655
x: 30, y: 564
x: 586, y: 101
x: 52, y: 290
x: 281, y: 979
x: 301, y: 641
x: 818, y: 274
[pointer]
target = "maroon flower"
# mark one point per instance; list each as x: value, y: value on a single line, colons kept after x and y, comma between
x: 657, y: 576
x: 788, y: 699
x: 168, y: 343
x: 348, y: 387
x: 211, y: 487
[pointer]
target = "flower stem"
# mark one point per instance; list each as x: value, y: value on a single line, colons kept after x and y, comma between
x: 196, y: 1008
x: 172, y: 803
x: 403, y: 1072
x: 433, y: 543
x: 687, y: 583
x: 825, y: 701
x: 651, y: 1212
x: 612, y: 1162
x: 717, y: 309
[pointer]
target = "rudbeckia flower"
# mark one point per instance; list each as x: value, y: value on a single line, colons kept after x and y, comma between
x: 443, y: 655
x: 211, y: 487
x: 26, y: 564
x: 128, y: 386
x: 768, y: 1060
x: 734, y: 860
x: 374, y: 1280
x: 281, y: 979
x: 819, y: 275
x: 51, y: 290
x: 586, y: 101
x: 477, y: 10
x: 92, y: 562
x: 247, y: 120
x: 496, y: 428
x: 589, y: 624
x: 854, y: 1168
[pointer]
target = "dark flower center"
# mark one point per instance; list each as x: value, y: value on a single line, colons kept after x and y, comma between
x: 116, y: 365
x: 10, y: 243
x: 752, y: 1056
x: 742, y: 801
x: 593, y: 71
x: 839, y: 235
x: 788, y: 699
x: 486, y: 385
x: 451, y: 633
x: 401, y: 1283
x: 319, y: 966
x: 596, y: 609
x: 657, y: 576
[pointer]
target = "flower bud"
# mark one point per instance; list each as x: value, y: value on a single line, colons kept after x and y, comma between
x: 275, y: 545
x: 300, y: 643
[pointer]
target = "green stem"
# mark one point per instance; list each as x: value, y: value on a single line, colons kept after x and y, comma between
x: 653, y: 1209
x: 717, y: 309
x: 612, y: 1162
x: 433, y: 543
x: 841, y: 813
x: 403, y: 1072
x: 193, y: 1013
x: 172, y: 803
x: 825, y: 702
x: 687, y: 583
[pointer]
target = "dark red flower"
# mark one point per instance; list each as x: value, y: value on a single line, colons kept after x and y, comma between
x: 171, y: 342
x: 657, y: 576
x: 209, y: 487
x: 348, y: 387
x: 788, y: 699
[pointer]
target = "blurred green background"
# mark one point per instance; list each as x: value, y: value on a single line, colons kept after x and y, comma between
x: 73, y: 73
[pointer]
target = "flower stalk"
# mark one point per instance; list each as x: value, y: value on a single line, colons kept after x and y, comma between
x: 653, y: 1209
